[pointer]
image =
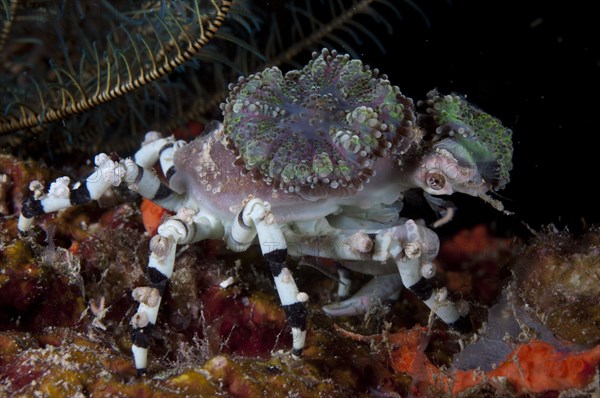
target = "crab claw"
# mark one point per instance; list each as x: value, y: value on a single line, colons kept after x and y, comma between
x: 378, y: 289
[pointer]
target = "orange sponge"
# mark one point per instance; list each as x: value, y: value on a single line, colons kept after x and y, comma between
x: 538, y: 367
x: 533, y: 367
x: 151, y: 216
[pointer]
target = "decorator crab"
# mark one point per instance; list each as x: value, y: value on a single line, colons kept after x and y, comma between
x: 311, y: 163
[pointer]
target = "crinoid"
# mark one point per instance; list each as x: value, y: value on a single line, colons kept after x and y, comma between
x: 92, y: 75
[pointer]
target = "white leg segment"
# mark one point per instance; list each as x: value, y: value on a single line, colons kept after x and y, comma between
x: 379, y: 288
x: 185, y: 227
x: 167, y: 155
x: 345, y: 283
x: 410, y: 245
x: 419, y: 244
x: 145, y: 182
x: 60, y: 196
x: 148, y: 154
x: 256, y: 219
x: 155, y: 148
x: 108, y: 173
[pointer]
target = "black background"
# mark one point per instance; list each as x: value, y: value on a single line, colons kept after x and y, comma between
x: 533, y: 64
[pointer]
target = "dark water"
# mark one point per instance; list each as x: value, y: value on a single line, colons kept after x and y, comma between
x: 536, y: 66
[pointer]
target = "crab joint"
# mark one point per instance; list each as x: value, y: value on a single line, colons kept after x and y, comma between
x: 146, y: 295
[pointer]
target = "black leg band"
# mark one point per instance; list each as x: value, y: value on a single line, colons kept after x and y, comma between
x: 296, y: 315
x: 141, y: 336
x: 462, y: 324
x: 422, y: 289
x: 32, y: 207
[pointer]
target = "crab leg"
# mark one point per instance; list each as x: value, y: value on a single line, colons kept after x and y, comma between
x: 380, y: 287
x: 60, y: 196
x: 411, y: 246
x: 151, y: 148
x: 108, y: 173
x: 419, y: 247
x: 255, y: 219
x: 345, y: 281
x: 145, y: 182
x: 186, y: 226
x: 155, y: 148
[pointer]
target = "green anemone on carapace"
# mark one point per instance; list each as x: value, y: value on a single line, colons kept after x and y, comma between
x: 321, y: 126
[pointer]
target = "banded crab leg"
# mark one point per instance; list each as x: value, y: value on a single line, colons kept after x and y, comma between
x: 416, y: 247
x: 157, y: 148
x: 108, y: 173
x: 411, y: 247
x: 187, y: 226
x: 378, y: 289
x: 256, y: 219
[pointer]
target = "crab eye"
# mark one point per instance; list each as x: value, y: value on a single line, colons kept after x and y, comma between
x: 435, y: 180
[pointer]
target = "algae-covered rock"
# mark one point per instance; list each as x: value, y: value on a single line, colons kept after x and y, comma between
x: 34, y: 295
x: 558, y: 279
x: 65, y: 305
x: 15, y: 176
